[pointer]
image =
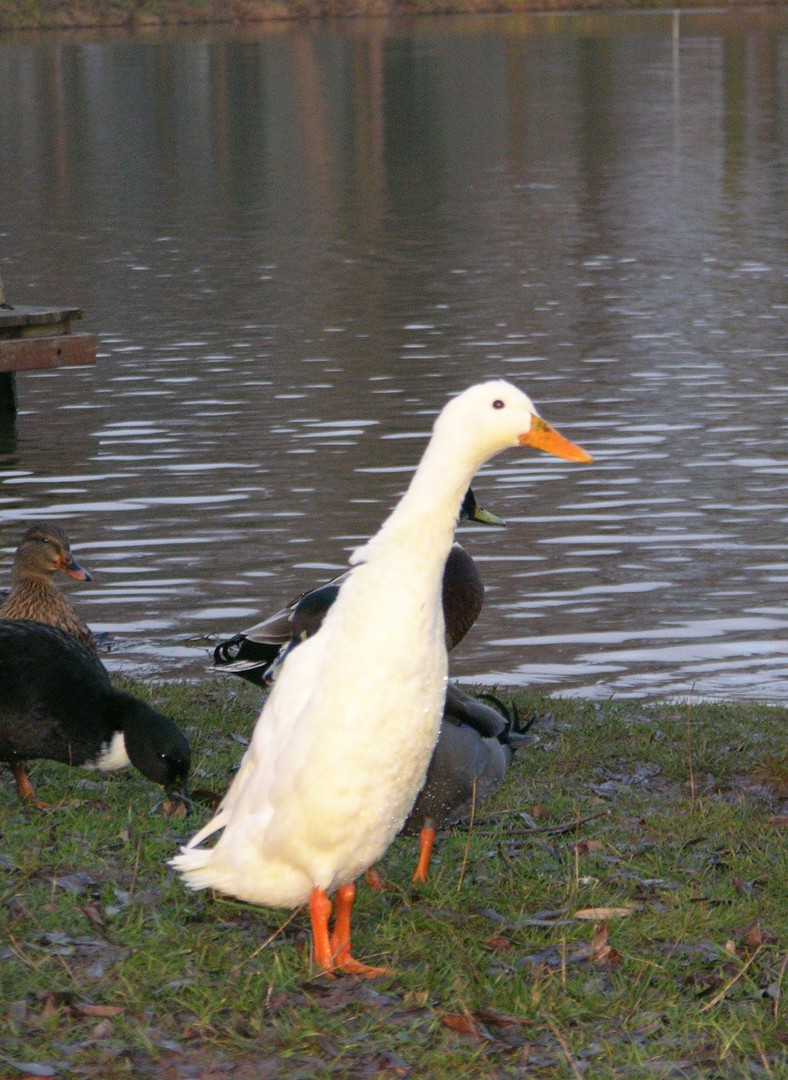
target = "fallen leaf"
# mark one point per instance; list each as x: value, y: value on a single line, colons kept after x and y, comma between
x: 582, y: 847
x: 603, y: 954
x: 463, y: 1024
x: 500, y: 944
x: 91, y: 913
x: 742, y: 887
x: 753, y: 936
x: 779, y: 821
x: 51, y: 1005
x: 602, y: 914
x: 206, y: 797
x: 97, y: 1010
x: 174, y: 808
x: 490, y: 1016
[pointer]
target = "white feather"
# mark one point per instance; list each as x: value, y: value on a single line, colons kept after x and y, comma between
x: 113, y: 755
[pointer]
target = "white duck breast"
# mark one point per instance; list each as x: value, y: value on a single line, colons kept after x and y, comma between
x: 322, y: 791
x: 113, y: 755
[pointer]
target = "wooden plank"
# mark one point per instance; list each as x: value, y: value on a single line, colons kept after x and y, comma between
x: 17, y: 321
x: 31, y: 354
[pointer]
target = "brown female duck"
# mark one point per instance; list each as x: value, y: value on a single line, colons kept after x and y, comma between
x: 43, y: 549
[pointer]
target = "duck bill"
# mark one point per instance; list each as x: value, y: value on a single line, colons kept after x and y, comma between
x: 73, y: 569
x: 543, y: 437
x: 485, y: 517
x: 181, y: 795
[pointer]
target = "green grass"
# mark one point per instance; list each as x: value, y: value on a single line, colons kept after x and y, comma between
x: 110, y: 967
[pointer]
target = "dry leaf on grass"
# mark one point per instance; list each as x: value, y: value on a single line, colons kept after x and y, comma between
x: 602, y: 914
x: 582, y: 847
x: 465, y: 1024
x: 96, y: 1010
x: 174, y: 808
x: 601, y: 953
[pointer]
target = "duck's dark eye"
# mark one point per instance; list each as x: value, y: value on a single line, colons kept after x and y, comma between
x: 498, y: 404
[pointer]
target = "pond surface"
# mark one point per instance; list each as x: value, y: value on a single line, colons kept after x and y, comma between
x: 294, y: 242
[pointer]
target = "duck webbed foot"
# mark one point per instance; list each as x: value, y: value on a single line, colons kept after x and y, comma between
x: 332, y: 949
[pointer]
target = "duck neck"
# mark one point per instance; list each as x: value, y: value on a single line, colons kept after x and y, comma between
x: 31, y: 575
x: 427, y: 513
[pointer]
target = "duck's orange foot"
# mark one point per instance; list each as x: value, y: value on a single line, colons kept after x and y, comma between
x: 347, y: 963
x: 24, y: 787
x: 426, y: 840
x: 332, y: 951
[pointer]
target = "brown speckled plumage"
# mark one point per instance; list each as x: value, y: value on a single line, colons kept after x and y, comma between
x: 43, y: 549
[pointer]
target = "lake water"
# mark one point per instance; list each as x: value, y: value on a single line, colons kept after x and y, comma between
x: 294, y: 242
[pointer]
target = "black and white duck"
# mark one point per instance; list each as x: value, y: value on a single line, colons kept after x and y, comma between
x: 57, y: 702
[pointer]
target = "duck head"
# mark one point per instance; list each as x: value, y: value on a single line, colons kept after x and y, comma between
x: 155, y: 745
x: 43, y: 549
x: 499, y: 415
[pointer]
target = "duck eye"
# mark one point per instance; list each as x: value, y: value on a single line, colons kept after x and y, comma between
x: 498, y: 404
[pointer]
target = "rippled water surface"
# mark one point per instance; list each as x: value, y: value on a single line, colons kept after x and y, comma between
x: 295, y: 242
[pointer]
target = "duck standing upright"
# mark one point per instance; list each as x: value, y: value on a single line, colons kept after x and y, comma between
x: 321, y: 791
x: 43, y: 549
x: 475, y: 744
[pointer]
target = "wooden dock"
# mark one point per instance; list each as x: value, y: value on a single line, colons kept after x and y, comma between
x: 33, y: 338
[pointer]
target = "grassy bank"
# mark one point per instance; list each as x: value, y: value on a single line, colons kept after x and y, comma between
x: 661, y: 823
x: 67, y: 14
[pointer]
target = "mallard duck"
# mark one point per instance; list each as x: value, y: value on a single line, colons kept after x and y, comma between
x: 57, y: 702
x: 324, y: 788
x: 43, y: 549
x: 251, y: 653
x: 475, y: 747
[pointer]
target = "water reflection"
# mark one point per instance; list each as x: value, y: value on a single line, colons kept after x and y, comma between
x: 294, y: 242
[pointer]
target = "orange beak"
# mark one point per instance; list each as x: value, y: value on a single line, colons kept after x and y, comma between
x: 543, y: 437
x: 69, y: 566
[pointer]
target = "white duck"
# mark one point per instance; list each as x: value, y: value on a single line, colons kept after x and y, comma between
x: 322, y: 791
